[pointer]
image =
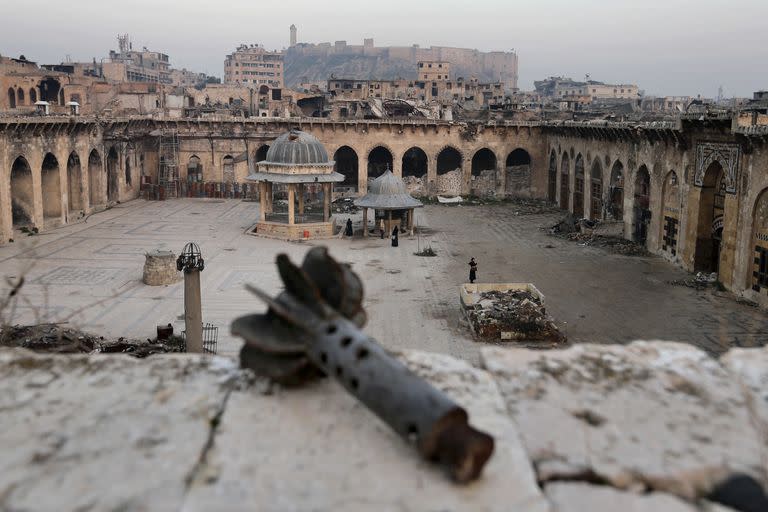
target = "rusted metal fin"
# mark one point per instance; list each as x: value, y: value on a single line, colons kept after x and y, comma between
x: 299, y: 285
x: 269, y: 333
x: 338, y: 284
x: 460, y: 448
x: 289, y: 370
x: 278, y: 308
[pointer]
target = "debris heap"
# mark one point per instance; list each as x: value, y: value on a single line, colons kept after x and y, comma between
x: 514, y: 315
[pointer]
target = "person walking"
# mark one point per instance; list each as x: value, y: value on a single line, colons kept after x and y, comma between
x: 472, y: 270
x: 394, y: 237
x: 349, y: 231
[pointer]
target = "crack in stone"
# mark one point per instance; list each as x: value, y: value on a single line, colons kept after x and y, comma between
x: 199, y: 468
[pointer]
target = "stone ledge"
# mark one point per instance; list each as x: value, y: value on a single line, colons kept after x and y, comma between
x: 187, y: 432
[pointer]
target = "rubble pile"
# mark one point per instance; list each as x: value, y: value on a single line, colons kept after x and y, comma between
x: 513, y: 315
x: 583, y: 232
x: 344, y: 205
x: 56, y: 339
x: 699, y: 282
x: 614, y: 244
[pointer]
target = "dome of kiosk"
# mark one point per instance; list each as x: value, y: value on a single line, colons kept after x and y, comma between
x: 297, y: 148
x: 388, y: 192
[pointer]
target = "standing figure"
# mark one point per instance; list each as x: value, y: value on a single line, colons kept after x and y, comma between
x: 349, y: 231
x: 472, y: 270
x: 394, y: 237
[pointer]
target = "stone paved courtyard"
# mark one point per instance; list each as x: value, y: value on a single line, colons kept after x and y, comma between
x: 89, y: 274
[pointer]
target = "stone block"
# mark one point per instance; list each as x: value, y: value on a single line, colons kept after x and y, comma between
x: 317, y: 448
x: 160, y: 268
x: 651, y: 415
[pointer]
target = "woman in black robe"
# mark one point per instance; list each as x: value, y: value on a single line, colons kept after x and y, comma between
x: 472, y: 270
x: 394, y: 237
x: 349, y: 231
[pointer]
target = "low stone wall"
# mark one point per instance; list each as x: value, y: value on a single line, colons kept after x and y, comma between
x: 599, y: 428
x: 484, y: 184
x: 518, y: 181
x: 306, y: 231
x: 451, y: 183
x: 416, y: 186
x: 160, y: 268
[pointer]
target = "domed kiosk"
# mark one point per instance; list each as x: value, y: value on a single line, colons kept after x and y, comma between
x: 296, y: 164
x: 392, y: 204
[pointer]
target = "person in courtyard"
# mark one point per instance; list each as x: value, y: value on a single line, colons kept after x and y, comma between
x: 394, y: 237
x: 472, y: 270
x: 348, y: 231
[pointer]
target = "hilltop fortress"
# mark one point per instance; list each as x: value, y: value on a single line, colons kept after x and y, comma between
x: 305, y: 62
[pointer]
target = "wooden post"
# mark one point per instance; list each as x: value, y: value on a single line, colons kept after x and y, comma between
x: 291, y: 201
x: 365, y: 221
x: 327, y: 191
x: 301, y: 198
x: 193, y: 312
x: 262, y: 201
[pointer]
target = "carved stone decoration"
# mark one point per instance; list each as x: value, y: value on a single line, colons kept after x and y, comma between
x: 727, y: 155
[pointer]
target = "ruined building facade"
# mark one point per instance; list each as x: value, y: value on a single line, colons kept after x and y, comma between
x: 693, y: 191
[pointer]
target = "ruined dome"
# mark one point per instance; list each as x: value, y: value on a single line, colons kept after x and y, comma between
x: 297, y: 148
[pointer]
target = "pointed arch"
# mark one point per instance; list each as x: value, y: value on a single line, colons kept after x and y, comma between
x: 22, y: 193
x: 51, y: 188
x: 74, y: 183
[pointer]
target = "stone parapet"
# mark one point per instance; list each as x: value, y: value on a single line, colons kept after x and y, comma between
x: 651, y: 425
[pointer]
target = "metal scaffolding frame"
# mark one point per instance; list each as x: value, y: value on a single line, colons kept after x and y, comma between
x: 168, y: 173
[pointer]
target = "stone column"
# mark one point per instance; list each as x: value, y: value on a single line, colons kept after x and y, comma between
x: 268, y: 199
x: 327, y: 191
x: 262, y: 201
x: 397, y: 166
x: 365, y: 222
x: 291, y: 201
x: 362, y: 177
x: 193, y: 312
x: 301, y: 198
x: 389, y: 223
x: 411, y: 214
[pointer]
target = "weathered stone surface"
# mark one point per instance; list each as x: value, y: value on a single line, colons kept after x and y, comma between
x: 581, y: 497
x: 104, y: 432
x: 658, y: 415
x: 318, y: 449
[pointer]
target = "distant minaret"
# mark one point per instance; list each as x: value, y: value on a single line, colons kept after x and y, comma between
x: 293, y: 35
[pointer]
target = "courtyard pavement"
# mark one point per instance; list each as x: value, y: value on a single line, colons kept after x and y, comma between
x: 89, y: 275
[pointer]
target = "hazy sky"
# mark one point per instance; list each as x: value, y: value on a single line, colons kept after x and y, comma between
x: 674, y: 47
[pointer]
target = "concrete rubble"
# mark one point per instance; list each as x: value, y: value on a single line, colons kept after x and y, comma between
x: 648, y: 426
x: 513, y: 315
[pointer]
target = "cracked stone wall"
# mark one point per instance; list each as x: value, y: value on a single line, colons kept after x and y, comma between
x: 450, y: 183
x: 647, y: 426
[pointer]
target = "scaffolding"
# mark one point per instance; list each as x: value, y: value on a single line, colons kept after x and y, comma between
x: 168, y: 174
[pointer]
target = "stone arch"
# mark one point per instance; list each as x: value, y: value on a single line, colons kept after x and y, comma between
x: 616, y: 192
x: 552, y: 177
x: 642, y: 205
x: 347, y: 163
x: 194, y: 169
x: 517, y: 179
x: 50, y: 180
x: 758, y: 250
x: 75, y: 183
x: 565, y: 173
x: 95, y: 169
x: 379, y: 160
x: 670, y: 210
x: 578, y: 188
x: 22, y: 194
x: 32, y: 96
x: 228, y: 169
x: 113, y: 161
x: 711, y: 219
x: 20, y: 96
x: 596, y: 190
x: 49, y: 90
x: 415, y: 162
x: 128, y: 176
x: 483, y: 160
x: 11, y: 98
x: 449, y: 159
x: 261, y: 153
